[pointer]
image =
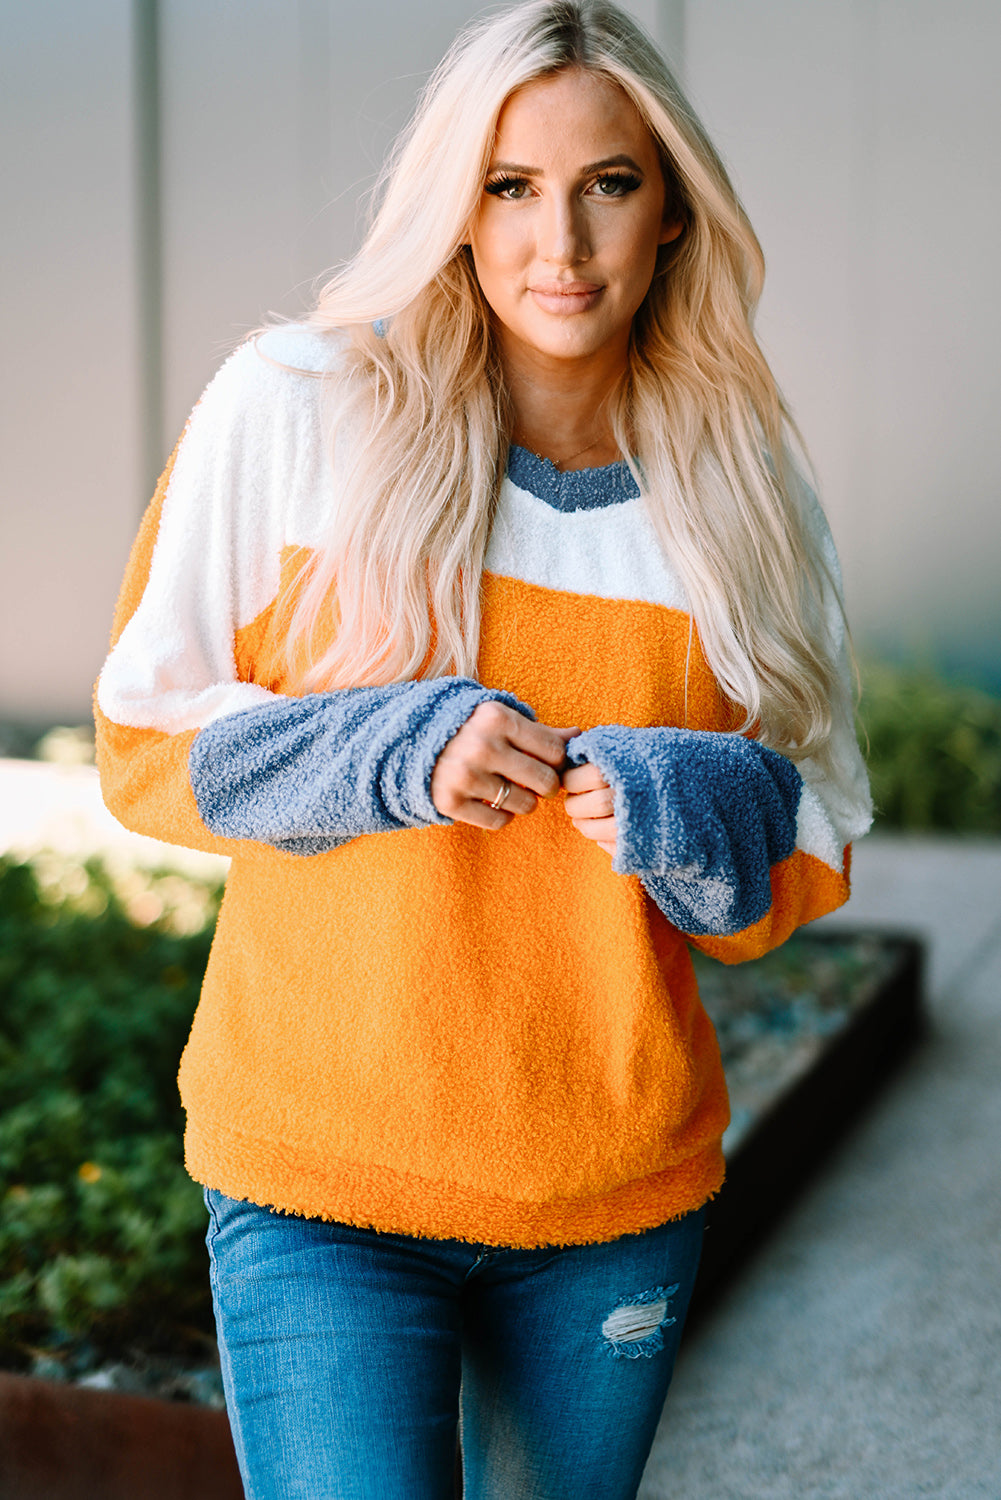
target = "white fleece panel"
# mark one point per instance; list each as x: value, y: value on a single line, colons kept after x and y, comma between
x: 251, y: 476
x: 611, y: 552
x: 829, y: 818
x: 815, y: 833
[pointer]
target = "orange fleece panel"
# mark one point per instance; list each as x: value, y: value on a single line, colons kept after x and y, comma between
x: 448, y: 1032
x: 480, y: 1035
x: 803, y: 888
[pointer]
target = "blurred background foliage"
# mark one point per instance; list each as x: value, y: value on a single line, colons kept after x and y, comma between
x: 100, y: 1227
x: 933, y: 749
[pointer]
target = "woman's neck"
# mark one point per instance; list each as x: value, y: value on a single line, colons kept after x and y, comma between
x: 563, y: 414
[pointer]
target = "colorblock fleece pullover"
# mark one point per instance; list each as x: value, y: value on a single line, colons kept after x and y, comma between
x: 422, y: 1026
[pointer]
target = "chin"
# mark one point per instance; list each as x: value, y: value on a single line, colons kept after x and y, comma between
x: 571, y: 340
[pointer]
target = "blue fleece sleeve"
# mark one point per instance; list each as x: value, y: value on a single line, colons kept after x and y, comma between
x: 702, y: 817
x: 307, y: 774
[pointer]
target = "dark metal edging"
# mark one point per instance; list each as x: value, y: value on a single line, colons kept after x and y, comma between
x: 784, y: 1148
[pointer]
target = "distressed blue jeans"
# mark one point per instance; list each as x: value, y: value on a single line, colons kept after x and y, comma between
x: 344, y: 1352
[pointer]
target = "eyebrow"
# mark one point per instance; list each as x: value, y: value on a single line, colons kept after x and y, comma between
x: 516, y: 170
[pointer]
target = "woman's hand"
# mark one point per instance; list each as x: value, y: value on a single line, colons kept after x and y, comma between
x: 590, y: 805
x: 497, y: 754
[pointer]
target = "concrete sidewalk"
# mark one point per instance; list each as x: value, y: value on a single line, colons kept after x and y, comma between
x: 857, y: 1357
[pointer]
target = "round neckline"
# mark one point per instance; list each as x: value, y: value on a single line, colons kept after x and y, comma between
x: 570, y: 489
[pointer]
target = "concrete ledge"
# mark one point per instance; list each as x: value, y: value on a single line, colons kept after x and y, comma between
x: 789, y: 1141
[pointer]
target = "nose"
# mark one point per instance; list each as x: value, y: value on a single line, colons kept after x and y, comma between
x: 565, y: 237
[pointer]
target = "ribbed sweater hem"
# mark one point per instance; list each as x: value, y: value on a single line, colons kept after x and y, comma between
x: 378, y: 1198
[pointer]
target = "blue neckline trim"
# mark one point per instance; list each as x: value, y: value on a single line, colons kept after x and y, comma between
x: 580, y: 489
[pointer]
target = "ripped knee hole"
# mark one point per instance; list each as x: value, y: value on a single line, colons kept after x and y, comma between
x: 636, y: 1327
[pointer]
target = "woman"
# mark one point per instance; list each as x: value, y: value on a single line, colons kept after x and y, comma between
x: 485, y: 622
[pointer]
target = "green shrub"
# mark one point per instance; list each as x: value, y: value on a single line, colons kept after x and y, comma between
x: 101, y: 1229
x: 934, y: 751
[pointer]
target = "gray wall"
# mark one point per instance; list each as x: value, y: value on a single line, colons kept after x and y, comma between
x: 860, y: 136
x: 70, y: 396
x: 863, y: 137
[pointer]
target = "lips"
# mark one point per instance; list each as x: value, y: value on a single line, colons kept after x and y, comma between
x: 565, y: 297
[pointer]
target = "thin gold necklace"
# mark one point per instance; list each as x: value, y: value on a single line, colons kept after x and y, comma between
x: 558, y: 463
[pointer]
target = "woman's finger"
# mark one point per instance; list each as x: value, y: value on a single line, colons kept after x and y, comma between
x: 525, y: 771
x: 540, y: 741
x: 481, y: 815
x: 458, y: 792
x: 497, y: 747
x: 596, y: 804
x: 502, y: 793
x: 494, y: 724
x: 585, y: 778
x: 601, y: 831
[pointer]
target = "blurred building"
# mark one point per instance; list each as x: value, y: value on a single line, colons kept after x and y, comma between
x: 176, y: 170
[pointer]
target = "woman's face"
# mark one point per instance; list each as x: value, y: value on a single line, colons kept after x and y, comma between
x: 572, y: 214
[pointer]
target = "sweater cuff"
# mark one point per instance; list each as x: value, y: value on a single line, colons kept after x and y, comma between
x: 649, y: 829
x: 694, y: 802
x: 409, y: 766
x: 306, y: 774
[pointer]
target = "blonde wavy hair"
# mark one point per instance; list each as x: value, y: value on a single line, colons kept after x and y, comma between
x: 698, y: 413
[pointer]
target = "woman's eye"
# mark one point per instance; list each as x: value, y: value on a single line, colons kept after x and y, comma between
x: 616, y: 186
x: 512, y: 188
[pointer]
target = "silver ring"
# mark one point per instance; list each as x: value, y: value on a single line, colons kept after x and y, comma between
x: 501, y: 797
